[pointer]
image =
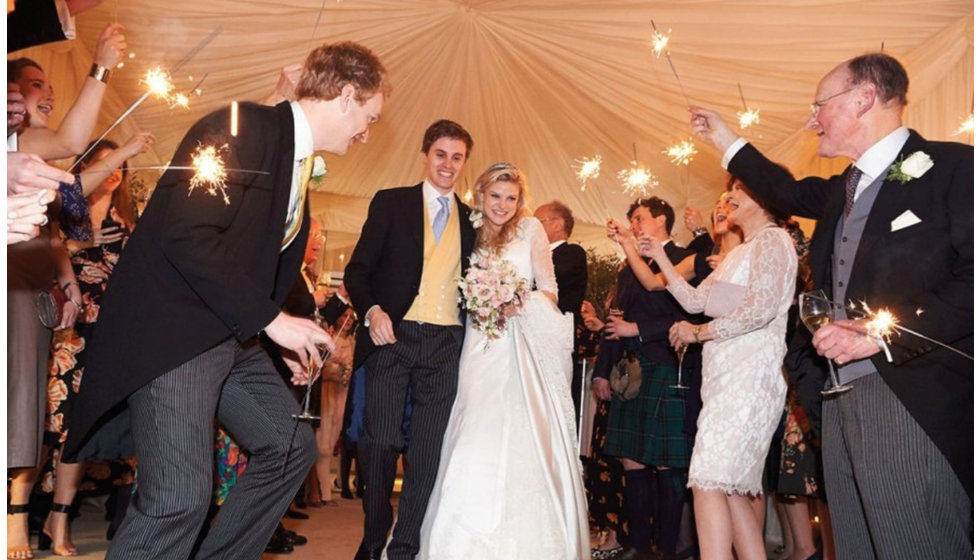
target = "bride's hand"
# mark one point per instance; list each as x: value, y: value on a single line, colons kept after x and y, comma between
x: 510, y: 310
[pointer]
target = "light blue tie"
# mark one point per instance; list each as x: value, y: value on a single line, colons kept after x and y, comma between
x: 442, y: 218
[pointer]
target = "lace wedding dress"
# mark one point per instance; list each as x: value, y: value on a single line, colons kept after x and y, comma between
x: 742, y: 382
x: 510, y: 481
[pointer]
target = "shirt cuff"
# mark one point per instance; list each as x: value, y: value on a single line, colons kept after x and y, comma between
x: 66, y: 19
x: 732, y: 150
x: 367, y: 322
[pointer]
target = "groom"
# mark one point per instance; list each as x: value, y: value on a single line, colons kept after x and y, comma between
x: 402, y: 277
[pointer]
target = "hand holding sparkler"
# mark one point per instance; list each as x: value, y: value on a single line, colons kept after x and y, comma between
x: 845, y: 341
x: 111, y: 46
x: 709, y: 126
x: 617, y: 232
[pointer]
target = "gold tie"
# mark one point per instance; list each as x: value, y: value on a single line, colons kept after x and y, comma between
x: 297, y: 219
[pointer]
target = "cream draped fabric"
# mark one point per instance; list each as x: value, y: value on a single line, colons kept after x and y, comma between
x: 539, y: 83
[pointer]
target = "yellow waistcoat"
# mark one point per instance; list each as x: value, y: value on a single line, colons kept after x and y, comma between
x: 441, y: 269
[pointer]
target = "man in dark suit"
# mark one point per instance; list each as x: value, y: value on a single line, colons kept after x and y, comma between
x: 177, y: 338
x: 896, y: 231
x: 571, y: 272
x: 402, y: 278
x: 647, y: 433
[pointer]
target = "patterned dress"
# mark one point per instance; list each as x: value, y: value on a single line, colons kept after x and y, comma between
x: 92, y: 266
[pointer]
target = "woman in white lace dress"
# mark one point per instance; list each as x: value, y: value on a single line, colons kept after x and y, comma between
x: 742, y: 384
x: 510, y: 482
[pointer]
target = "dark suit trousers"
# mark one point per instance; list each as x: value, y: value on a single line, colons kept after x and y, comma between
x: 174, y: 432
x: 892, y: 494
x: 425, y: 358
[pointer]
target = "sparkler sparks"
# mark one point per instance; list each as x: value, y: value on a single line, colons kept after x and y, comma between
x: 681, y: 153
x: 588, y: 169
x: 209, y: 171
x: 965, y: 126
x: 637, y: 180
x: 159, y: 83
x: 658, y: 41
x: 747, y: 118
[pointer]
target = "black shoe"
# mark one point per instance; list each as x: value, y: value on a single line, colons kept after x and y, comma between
x: 364, y: 554
x: 346, y: 494
x: 293, y: 514
x: 293, y: 538
x: 278, y: 546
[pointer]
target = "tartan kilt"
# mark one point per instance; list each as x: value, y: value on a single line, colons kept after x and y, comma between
x: 649, y: 429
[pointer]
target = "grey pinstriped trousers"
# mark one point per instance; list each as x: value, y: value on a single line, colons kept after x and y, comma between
x: 174, y: 433
x: 425, y: 359
x: 892, y: 494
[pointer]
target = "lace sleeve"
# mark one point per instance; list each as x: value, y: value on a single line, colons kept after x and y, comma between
x: 541, y: 264
x: 691, y: 299
x: 772, y: 276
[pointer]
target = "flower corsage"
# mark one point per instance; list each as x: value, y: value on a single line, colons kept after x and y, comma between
x: 910, y: 167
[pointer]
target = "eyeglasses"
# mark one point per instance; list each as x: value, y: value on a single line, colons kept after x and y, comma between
x: 817, y: 105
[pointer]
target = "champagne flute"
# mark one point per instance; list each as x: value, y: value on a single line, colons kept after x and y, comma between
x: 312, y: 374
x: 681, y: 351
x: 816, y: 311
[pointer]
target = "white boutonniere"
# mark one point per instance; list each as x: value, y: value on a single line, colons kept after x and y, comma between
x: 319, y: 170
x: 476, y: 218
x: 910, y: 167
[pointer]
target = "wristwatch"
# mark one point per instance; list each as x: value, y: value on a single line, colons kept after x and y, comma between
x: 699, y: 231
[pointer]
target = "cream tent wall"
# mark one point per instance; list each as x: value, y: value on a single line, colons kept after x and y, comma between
x: 540, y: 83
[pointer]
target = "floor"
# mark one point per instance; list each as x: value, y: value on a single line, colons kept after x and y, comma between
x: 333, y: 532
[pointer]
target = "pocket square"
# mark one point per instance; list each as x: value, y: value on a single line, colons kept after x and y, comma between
x: 907, y: 219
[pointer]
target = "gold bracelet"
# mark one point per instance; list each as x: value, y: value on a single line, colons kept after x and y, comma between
x: 99, y: 72
x: 697, y: 333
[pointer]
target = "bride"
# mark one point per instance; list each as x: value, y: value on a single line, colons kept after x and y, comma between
x: 509, y: 482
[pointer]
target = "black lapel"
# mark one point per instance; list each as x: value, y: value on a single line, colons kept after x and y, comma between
x: 415, y: 214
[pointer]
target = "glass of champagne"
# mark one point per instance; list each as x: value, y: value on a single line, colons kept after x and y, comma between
x: 312, y: 374
x: 681, y: 351
x: 816, y: 310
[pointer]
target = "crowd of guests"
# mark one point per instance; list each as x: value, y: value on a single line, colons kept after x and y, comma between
x: 704, y: 391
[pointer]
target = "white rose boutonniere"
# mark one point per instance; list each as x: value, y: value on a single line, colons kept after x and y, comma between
x: 476, y: 218
x: 319, y: 170
x: 910, y: 167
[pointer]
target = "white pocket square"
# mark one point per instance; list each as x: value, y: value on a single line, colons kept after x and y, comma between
x: 907, y: 219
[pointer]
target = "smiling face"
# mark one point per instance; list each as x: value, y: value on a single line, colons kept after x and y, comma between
x: 500, y: 202
x: 719, y: 216
x: 444, y: 163
x: 38, y: 96
x: 836, y: 120
x: 743, y: 208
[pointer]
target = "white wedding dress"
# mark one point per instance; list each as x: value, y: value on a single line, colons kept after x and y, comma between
x: 742, y: 382
x: 510, y: 481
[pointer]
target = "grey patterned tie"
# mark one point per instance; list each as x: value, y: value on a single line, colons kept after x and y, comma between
x: 442, y: 218
x: 850, y: 188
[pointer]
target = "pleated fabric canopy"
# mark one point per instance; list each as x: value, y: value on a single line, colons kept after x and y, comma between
x: 540, y: 83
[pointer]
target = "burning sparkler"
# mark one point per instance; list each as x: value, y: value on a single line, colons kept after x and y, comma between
x: 662, y: 43
x: 681, y: 153
x: 637, y: 180
x: 658, y: 41
x: 965, y: 126
x: 746, y: 117
x: 588, y: 169
x: 209, y: 171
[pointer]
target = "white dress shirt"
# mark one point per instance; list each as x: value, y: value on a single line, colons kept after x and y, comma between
x: 302, y: 149
x: 430, y: 195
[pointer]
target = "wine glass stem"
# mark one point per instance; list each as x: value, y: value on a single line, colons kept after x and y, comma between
x: 834, y: 381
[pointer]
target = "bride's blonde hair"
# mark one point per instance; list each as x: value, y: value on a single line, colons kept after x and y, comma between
x: 490, y: 236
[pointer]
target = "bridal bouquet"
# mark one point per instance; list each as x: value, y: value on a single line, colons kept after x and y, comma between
x: 490, y: 284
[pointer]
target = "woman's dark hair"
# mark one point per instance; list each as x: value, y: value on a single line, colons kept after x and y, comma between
x: 122, y: 201
x: 17, y: 65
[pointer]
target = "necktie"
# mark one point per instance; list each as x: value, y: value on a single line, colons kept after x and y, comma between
x: 295, y: 219
x: 850, y: 188
x: 442, y: 218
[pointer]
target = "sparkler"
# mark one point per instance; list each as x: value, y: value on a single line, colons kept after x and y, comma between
x: 157, y: 80
x: 658, y: 41
x: 965, y: 126
x: 637, y: 179
x: 234, y: 118
x: 669, y: 61
x: 746, y: 117
x: 881, y: 324
x: 209, y: 171
x: 681, y: 153
x: 588, y: 169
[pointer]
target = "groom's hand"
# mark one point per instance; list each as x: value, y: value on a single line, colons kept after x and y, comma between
x: 381, y: 330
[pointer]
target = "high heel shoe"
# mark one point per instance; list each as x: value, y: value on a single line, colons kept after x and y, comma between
x: 19, y: 552
x: 44, y: 540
